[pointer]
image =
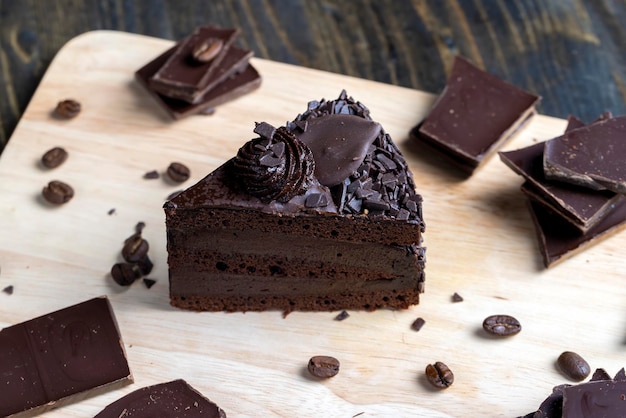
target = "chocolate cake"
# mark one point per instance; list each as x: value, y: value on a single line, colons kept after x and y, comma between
x: 320, y: 214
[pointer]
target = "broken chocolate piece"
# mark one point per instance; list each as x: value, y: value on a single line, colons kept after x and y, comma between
x: 8, y: 290
x: 172, y: 399
x: 185, y: 78
x: 241, y: 78
x: 592, y: 156
x: 558, y: 240
x: 47, y: 360
x: 342, y: 315
x: 475, y: 114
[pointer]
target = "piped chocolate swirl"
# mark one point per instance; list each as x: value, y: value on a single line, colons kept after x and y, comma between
x: 274, y: 166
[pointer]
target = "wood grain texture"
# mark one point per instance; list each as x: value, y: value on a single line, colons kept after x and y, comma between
x: 479, y: 237
x: 571, y: 52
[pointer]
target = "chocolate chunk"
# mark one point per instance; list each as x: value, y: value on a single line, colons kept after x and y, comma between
x: 151, y: 175
x: 181, y: 76
x: 149, y: 282
x: 339, y: 144
x: 592, y: 156
x: 342, y: 315
x: 605, y: 398
x: 111, y: 211
x: 475, y: 115
x: 457, y: 298
x: 47, y: 360
x: 241, y: 79
x: 315, y: 200
x: 558, y: 240
x: 172, y: 399
x: 264, y: 129
x: 8, y: 290
x: 582, y: 207
x: 418, y: 324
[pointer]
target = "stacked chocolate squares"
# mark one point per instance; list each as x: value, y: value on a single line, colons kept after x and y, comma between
x: 199, y: 73
x: 575, y: 184
x: 474, y: 116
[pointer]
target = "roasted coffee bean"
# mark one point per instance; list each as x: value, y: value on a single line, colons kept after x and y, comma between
x: 323, y: 366
x: 145, y: 265
x: 573, y: 366
x: 54, y: 157
x: 207, y: 50
x: 135, y: 248
x: 178, y: 172
x: 125, y: 274
x: 439, y: 375
x: 57, y: 192
x: 67, y: 109
x: 501, y: 325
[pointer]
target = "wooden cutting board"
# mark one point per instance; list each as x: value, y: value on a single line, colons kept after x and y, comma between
x: 480, y: 241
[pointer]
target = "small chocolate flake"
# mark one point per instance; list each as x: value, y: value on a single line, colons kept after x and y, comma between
x: 111, y: 211
x: 264, y: 130
x: 315, y: 200
x: 151, y: 175
x: 342, y: 315
x: 149, y: 282
x: 457, y: 298
x: 418, y: 324
x: 8, y: 290
x: 302, y: 125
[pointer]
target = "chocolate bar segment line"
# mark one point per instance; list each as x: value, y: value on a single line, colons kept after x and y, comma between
x: 46, y: 361
x: 181, y: 76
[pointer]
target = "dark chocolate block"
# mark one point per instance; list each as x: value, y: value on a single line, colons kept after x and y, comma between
x: 175, y: 399
x: 559, y: 240
x: 601, y: 397
x: 181, y: 76
x: 288, y: 225
x: 45, y: 362
x: 242, y: 78
x: 474, y: 115
x: 591, y: 157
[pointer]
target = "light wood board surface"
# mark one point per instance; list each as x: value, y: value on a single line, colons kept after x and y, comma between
x: 479, y: 236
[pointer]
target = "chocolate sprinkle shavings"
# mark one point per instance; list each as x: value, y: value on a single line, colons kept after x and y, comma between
x: 418, y: 324
x: 151, y: 175
x: 8, y: 290
x: 149, y: 282
x: 382, y: 185
x: 342, y: 315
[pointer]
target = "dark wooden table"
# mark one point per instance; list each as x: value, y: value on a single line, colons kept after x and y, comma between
x: 571, y: 52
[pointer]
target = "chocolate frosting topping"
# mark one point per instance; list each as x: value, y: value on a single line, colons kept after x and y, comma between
x: 339, y: 143
x: 274, y: 166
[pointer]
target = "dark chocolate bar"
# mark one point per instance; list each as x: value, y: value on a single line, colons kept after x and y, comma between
x: 47, y: 361
x: 475, y: 114
x: 183, y: 77
x: 559, y: 240
x: 591, y: 157
x: 172, y: 399
x: 236, y: 85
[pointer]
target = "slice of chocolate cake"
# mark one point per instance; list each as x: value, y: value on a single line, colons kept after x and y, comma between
x: 321, y: 214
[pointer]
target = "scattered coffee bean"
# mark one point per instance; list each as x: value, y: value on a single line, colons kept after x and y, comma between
x: 178, y: 172
x: 457, y: 298
x: 54, y: 157
x: 342, y: 315
x: 439, y: 375
x: 57, y: 192
x: 67, y: 109
x: 135, y: 248
x: 149, y: 282
x: 573, y: 366
x: 145, y: 265
x: 125, y: 274
x: 151, y: 175
x: 8, y: 290
x: 418, y: 324
x: 323, y: 366
x: 205, y: 51
x: 501, y: 325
